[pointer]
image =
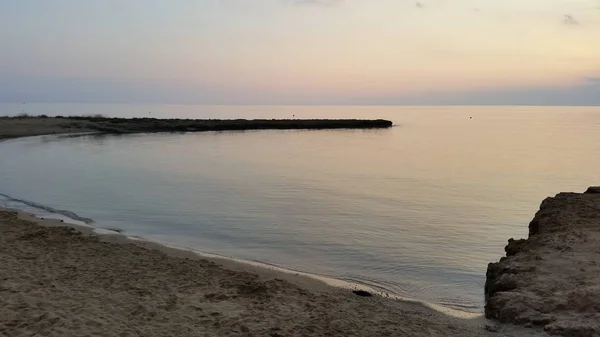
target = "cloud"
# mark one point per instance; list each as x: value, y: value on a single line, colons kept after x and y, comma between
x: 587, y: 93
x: 584, y: 94
x: 316, y: 2
x: 593, y: 81
x: 419, y: 5
x: 14, y: 88
x: 570, y: 20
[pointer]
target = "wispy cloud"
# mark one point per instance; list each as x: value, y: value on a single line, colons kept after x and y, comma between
x: 570, y: 20
x: 593, y: 81
x: 316, y: 2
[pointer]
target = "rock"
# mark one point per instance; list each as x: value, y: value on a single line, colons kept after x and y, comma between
x: 551, y: 279
x: 593, y: 190
x: 362, y: 293
x: 492, y: 327
x: 515, y: 246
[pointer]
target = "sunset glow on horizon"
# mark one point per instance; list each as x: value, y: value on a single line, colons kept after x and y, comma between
x: 299, y: 52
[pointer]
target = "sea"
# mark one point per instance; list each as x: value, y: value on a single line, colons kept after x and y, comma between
x: 416, y: 211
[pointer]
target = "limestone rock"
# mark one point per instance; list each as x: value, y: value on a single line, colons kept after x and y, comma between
x: 552, y: 278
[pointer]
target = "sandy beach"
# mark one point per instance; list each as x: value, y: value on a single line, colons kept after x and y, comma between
x: 61, y: 281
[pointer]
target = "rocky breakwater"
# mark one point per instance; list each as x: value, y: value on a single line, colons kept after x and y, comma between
x: 21, y: 126
x: 552, y: 279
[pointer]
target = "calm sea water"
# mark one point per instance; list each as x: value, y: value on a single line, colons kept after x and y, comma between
x: 417, y: 211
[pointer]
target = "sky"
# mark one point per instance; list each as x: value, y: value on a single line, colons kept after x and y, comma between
x: 305, y: 52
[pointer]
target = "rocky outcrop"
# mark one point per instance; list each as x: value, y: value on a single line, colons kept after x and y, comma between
x: 552, y: 279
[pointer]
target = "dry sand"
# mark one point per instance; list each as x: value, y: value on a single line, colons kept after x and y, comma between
x: 58, y: 281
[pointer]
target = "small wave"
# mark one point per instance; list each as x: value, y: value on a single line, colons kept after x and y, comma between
x: 457, y: 304
x: 403, y: 292
x: 68, y: 214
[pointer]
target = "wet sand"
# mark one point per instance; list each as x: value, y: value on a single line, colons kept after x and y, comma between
x: 61, y: 281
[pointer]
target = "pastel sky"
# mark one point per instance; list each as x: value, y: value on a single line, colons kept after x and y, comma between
x: 301, y: 51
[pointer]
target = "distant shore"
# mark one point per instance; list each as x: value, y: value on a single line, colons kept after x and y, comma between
x: 63, y: 279
x: 20, y: 126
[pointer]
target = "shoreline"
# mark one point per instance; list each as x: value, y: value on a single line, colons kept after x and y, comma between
x: 306, y: 280
x: 289, y: 303
x: 301, y: 278
x: 51, y: 268
x: 257, y: 267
